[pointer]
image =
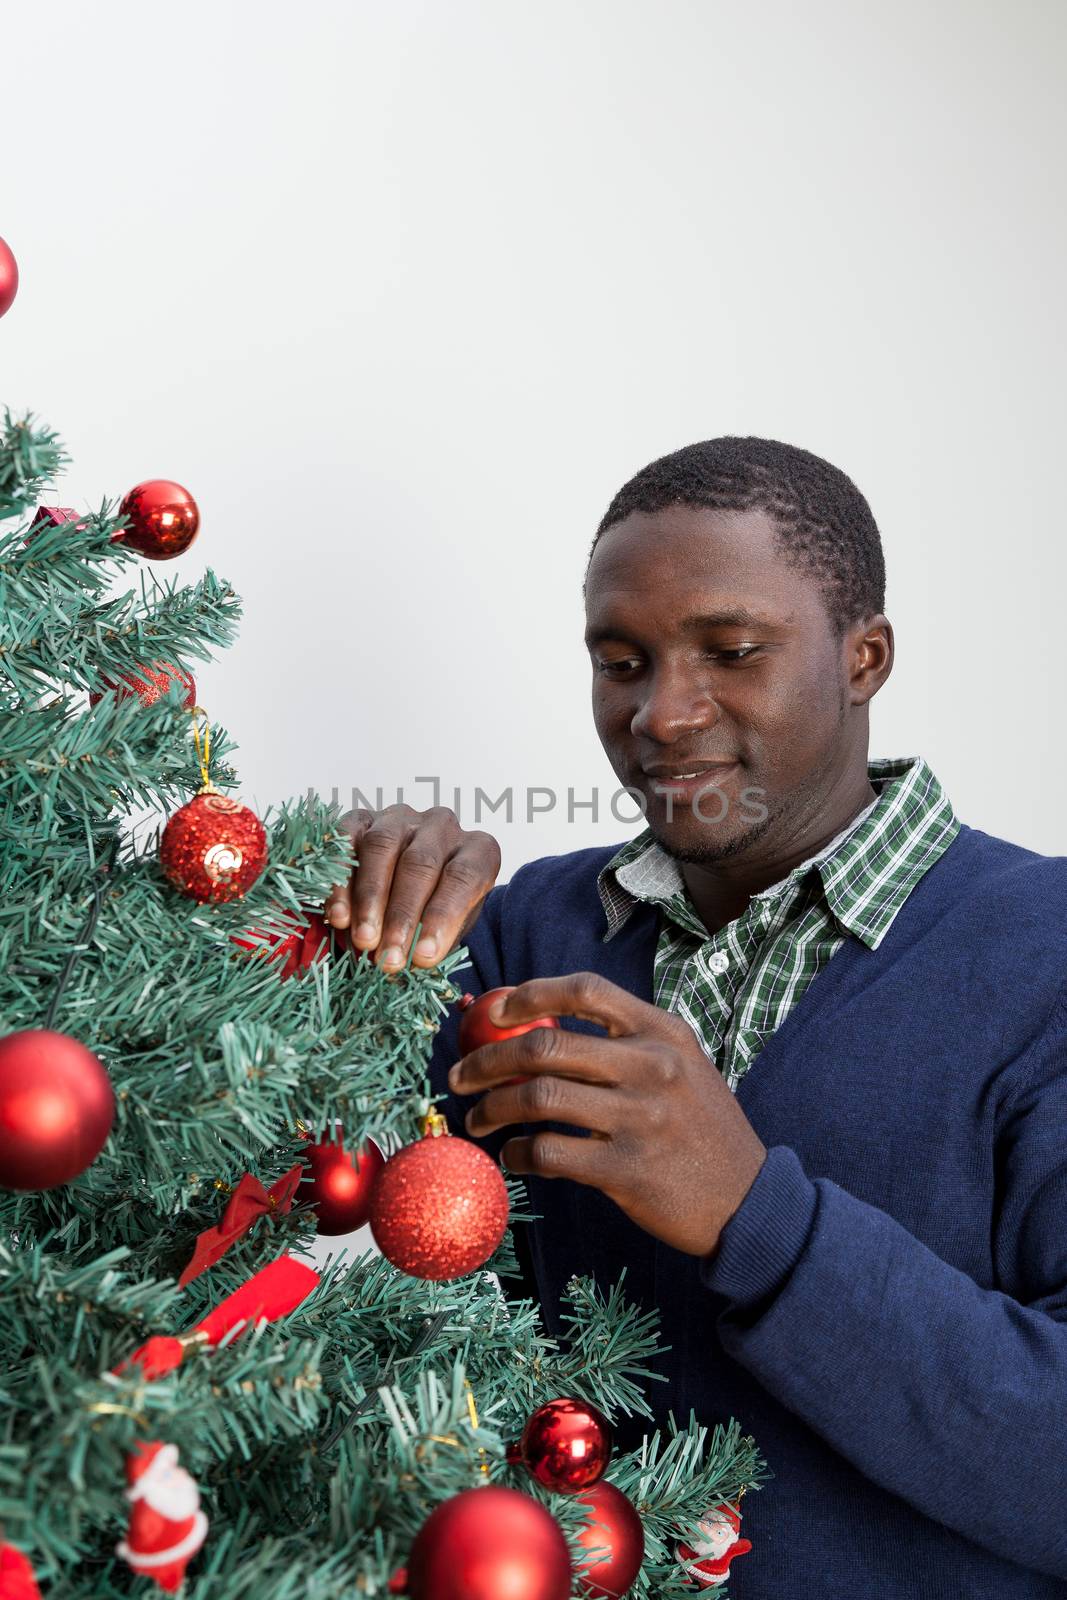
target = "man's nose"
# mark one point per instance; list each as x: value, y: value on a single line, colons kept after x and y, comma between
x: 673, y: 704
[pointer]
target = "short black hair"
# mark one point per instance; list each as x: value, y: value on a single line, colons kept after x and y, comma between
x: 824, y: 523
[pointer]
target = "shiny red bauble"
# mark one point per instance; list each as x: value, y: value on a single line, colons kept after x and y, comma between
x: 9, y: 277
x: 475, y: 1028
x: 565, y: 1445
x: 149, y: 684
x: 617, y: 1531
x: 489, y: 1543
x: 439, y: 1208
x: 213, y: 848
x: 56, y: 1109
x: 164, y: 519
x: 340, y: 1183
x: 291, y: 951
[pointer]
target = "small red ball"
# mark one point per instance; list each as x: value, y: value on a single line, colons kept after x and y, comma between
x: 439, y: 1208
x: 149, y: 684
x: 489, y: 1543
x: 56, y: 1109
x: 340, y: 1183
x: 213, y: 848
x: 617, y: 1526
x: 475, y: 1028
x: 565, y: 1445
x: 9, y: 277
x: 164, y: 519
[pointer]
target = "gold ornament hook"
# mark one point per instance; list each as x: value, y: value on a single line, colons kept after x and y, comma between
x: 203, y: 756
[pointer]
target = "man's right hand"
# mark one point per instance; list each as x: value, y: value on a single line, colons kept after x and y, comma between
x: 412, y: 866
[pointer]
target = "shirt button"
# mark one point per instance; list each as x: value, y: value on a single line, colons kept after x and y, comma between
x: 718, y: 961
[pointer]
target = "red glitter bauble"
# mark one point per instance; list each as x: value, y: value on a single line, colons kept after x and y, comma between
x: 9, y: 277
x: 340, y: 1183
x: 617, y: 1527
x: 149, y: 684
x: 294, y: 950
x: 164, y: 519
x: 566, y: 1445
x: 56, y: 1109
x: 475, y: 1028
x: 439, y: 1208
x: 489, y: 1543
x: 213, y: 848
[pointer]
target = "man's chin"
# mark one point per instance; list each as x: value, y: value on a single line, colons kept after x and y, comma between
x: 690, y: 840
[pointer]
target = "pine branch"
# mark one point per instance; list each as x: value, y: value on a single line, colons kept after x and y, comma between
x: 29, y: 458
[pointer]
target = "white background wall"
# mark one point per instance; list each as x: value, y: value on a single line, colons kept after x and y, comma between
x: 403, y: 293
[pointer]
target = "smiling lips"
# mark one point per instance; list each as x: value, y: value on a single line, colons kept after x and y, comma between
x: 686, y: 780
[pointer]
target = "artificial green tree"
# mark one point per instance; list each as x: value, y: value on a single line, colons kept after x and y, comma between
x: 321, y: 1441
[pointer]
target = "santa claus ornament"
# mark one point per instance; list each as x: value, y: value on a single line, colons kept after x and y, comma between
x: 167, y: 1526
x: 707, y: 1559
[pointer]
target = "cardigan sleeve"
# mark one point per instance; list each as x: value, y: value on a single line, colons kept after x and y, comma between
x: 952, y: 1396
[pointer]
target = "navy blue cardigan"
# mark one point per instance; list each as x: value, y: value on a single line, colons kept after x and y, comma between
x: 887, y: 1312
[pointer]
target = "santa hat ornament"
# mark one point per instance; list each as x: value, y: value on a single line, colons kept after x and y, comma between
x: 167, y: 1526
x: 707, y: 1559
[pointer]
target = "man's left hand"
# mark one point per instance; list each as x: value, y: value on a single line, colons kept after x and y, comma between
x: 669, y: 1142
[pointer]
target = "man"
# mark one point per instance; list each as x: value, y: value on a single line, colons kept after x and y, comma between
x: 810, y: 1086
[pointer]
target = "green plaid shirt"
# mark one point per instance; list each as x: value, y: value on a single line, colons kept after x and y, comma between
x: 735, y: 987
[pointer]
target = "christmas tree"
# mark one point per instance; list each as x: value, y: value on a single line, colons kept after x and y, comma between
x: 193, y: 1080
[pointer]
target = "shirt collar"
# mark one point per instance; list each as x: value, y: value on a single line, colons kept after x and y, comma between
x: 866, y: 871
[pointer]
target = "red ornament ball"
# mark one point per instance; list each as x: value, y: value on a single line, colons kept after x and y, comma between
x: 9, y: 277
x: 617, y: 1526
x: 213, y: 848
x: 340, y: 1183
x: 164, y: 519
x: 489, y: 1543
x: 293, y: 951
x: 439, y: 1208
x: 565, y: 1445
x: 475, y: 1028
x: 56, y: 1109
x: 149, y: 684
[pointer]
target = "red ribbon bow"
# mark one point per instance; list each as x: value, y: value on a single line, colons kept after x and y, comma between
x: 273, y: 1292
x: 247, y: 1202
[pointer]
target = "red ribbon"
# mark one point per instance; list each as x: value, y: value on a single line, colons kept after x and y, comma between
x: 247, y: 1202
x: 270, y: 1294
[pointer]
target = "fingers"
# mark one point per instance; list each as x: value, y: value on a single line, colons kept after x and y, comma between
x: 586, y: 995
x: 452, y: 909
x: 337, y: 907
x: 556, y: 1155
x: 559, y: 1051
x: 412, y: 867
x: 546, y: 1099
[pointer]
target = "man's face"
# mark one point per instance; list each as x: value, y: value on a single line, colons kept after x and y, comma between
x: 768, y: 695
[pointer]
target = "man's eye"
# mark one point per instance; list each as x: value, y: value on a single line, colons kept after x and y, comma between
x: 740, y: 654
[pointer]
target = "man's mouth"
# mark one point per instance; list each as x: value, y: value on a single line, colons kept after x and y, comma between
x: 686, y: 781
